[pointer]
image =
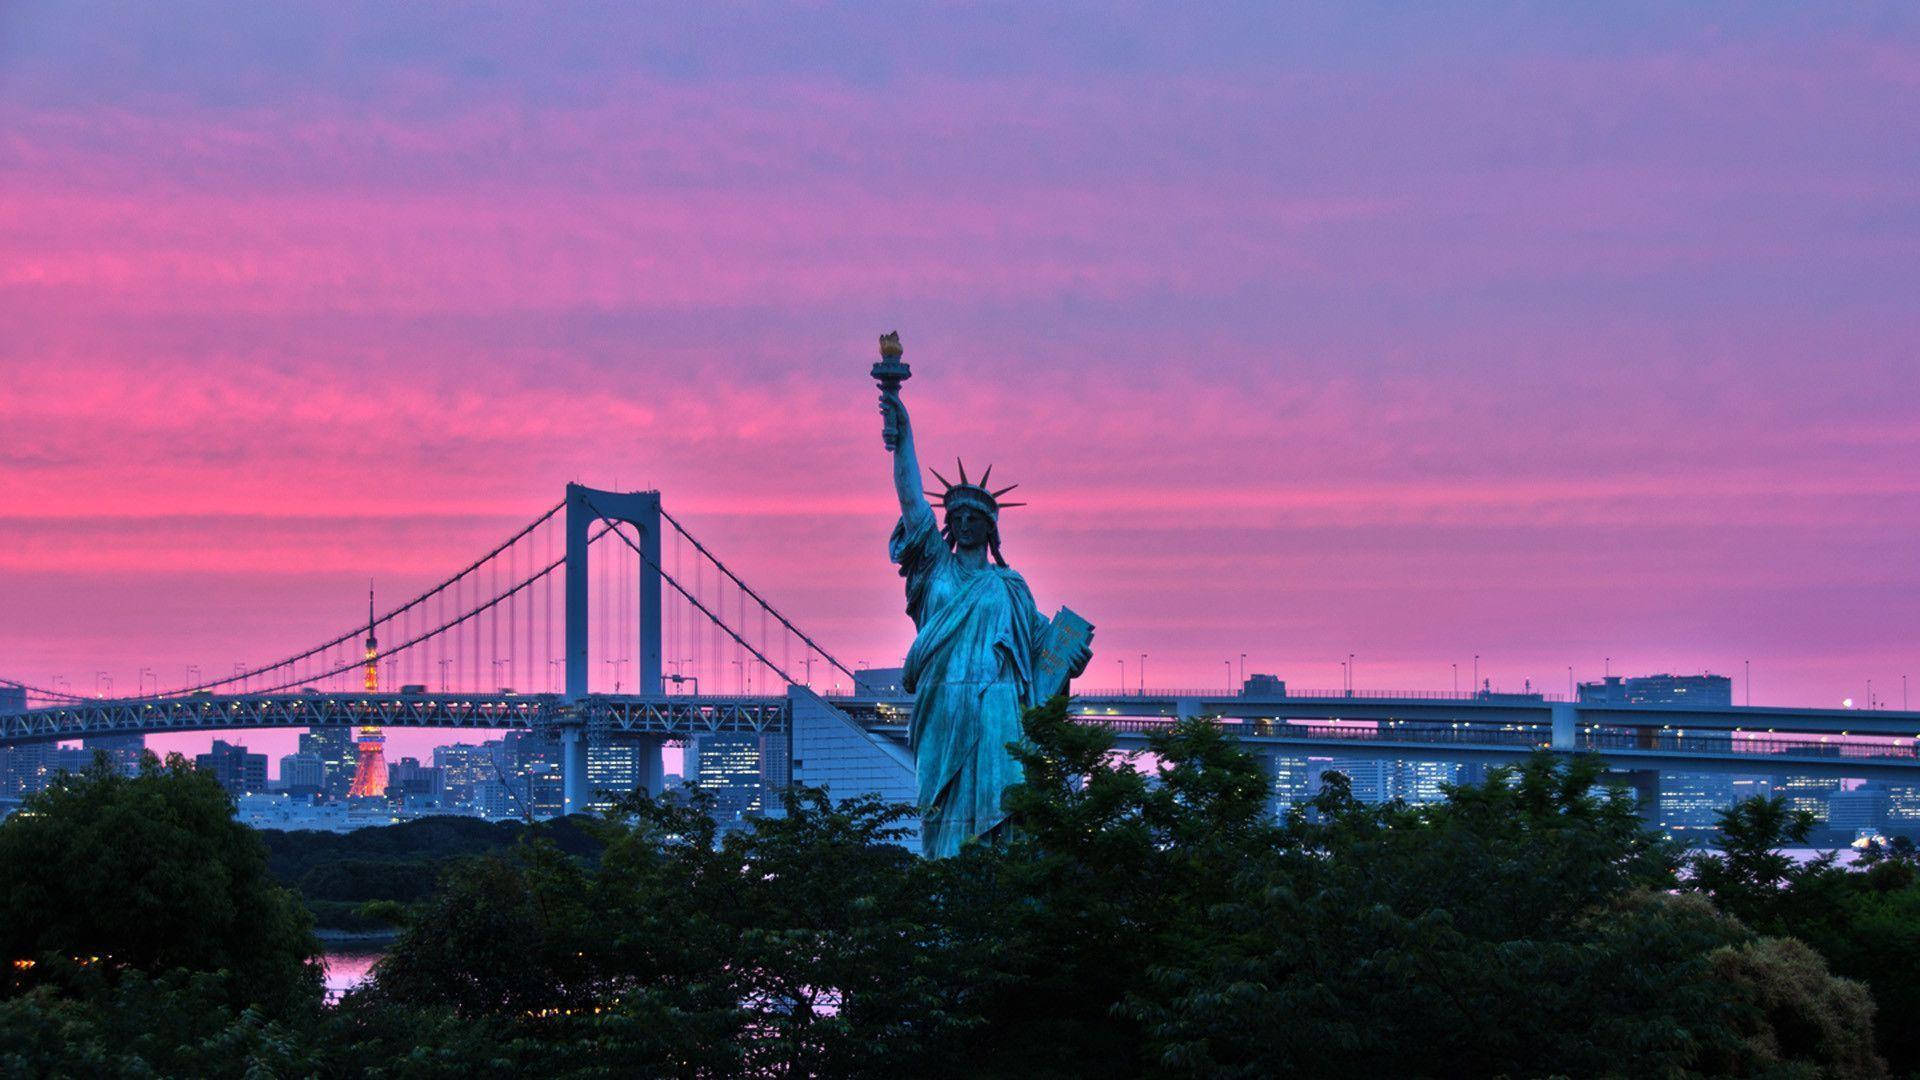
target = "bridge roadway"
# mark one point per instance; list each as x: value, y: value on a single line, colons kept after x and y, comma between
x: 1877, y: 744
x: 664, y: 716
x: 1504, y: 728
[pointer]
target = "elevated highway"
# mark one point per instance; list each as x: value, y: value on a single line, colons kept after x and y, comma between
x: 1875, y: 745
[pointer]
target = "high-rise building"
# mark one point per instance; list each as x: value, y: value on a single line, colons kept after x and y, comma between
x: 516, y: 776
x: 125, y: 752
x: 464, y: 767
x: 495, y: 799
x: 1659, y: 690
x: 1292, y: 782
x: 1689, y: 803
x: 20, y: 765
x: 880, y: 682
x: 546, y: 790
x: 334, y: 747
x: 1370, y: 779
x: 776, y: 769
x: 1420, y: 782
x: 1747, y: 787
x: 528, y: 749
x: 1807, y: 793
x: 1257, y: 685
x: 615, y: 766
x: 743, y: 771
x: 417, y: 784
x: 237, y: 770
x: 1903, y: 807
x: 72, y: 759
x: 1377, y: 780
x: 535, y: 772
x: 27, y: 768
x: 303, y: 774
x: 1862, y: 810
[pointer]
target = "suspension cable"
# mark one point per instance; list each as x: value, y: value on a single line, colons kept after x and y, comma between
x: 668, y: 578
x: 748, y: 589
x: 443, y: 627
x: 349, y: 635
x: 31, y: 689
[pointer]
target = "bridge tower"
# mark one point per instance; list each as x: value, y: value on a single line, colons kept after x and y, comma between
x: 641, y: 509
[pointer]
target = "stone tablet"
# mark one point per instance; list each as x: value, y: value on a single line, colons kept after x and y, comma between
x: 1053, y: 661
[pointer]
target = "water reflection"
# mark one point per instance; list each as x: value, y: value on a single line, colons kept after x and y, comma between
x: 349, y: 968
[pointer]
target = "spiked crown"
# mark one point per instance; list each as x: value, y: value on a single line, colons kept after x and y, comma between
x: 968, y: 493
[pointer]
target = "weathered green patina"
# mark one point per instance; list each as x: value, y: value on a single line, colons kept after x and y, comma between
x: 972, y: 665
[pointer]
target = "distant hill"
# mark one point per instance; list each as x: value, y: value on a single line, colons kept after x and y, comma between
x: 335, y: 873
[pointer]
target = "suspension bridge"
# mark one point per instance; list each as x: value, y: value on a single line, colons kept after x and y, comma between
x: 606, y: 618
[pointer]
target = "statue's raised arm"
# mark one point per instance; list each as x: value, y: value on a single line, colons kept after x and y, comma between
x: 906, y: 463
x: 896, y: 431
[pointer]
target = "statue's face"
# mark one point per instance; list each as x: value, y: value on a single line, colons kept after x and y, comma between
x: 970, y: 528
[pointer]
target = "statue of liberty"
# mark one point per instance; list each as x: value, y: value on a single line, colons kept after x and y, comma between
x: 982, y: 653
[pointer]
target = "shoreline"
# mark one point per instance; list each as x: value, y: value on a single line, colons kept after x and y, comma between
x: 329, y: 936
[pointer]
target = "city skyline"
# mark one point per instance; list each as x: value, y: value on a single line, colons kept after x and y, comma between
x: 1553, y: 338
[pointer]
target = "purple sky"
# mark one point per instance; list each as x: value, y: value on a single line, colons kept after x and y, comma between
x: 1547, y: 334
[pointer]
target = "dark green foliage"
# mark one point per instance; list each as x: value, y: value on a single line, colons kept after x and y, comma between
x: 788, y: 948
x: 1864, y: 921
x: 337, y: 874
x: 1130, y: 923
x: 179, y: 1024
x: 106, y: 874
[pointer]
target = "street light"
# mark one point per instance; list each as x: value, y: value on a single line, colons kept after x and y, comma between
x: 443, y: 673
x: 1229, y: 664
x: 144, y: 672
x: 1123, y: 674
x: 1243, y: 668
x: 1350, y: 678
x: 553, y: 680
x: 1143, y: 674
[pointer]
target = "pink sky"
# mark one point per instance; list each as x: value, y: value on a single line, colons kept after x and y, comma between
x: 1543, y: 337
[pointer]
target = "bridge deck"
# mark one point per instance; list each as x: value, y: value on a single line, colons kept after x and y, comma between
x: 1877, y: 744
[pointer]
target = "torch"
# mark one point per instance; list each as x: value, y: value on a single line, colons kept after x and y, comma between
x: 889, y: 373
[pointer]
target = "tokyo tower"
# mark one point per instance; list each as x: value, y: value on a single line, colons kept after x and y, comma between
x: 370, y: 774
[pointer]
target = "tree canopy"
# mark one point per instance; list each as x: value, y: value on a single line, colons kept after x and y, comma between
x: 149, y: 873
x: 1135, y: 921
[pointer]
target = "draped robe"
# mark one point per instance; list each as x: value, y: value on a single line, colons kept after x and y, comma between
x: 970, y: 671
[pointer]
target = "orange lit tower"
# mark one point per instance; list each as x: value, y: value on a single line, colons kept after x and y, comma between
x: 370, y: 775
